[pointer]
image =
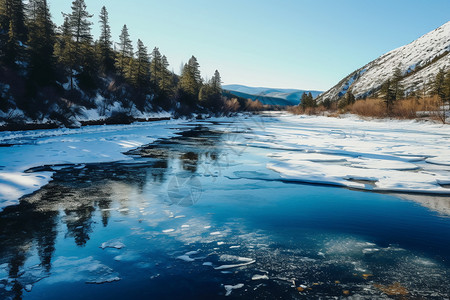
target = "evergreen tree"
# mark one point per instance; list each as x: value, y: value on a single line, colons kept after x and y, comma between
x: 439, y: 84
x: 389, y: 93
x: 307, y: 100
x: 41, y: 39
x: 440, y: 88
x: 397, y: 86
x: 327, y: 103
x: 63, y: 45
x: 447, y: 86
x: 13, y: 32
x: 105, y: 43
x: 79, y: 50
x: 156, y: 67
x: 194, y: 68
x: 210, y: 94
x: 350, y: 98
x: 166, y: 81
x: 125, y: 54
x: 216, y: 82
x: 190, y: 82
x: 142, y: 77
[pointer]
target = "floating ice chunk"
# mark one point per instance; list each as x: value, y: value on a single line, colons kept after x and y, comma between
x: 186, y: 256
x: 238, y: 261
x: 168, y: 230
x: 89, y: 270
x: 103, y: 279
x: 28, y: 287
x: 215, y: 233
x: 370, y: 250
x: 230, y: 288
x: 439, y: 160
x: 113, y: 244
x: 235, y: 247
x: 220, y: 243
x: 260, y: 277
x: 185, y: 226
x: 207, y: 263
x: 127, y: 256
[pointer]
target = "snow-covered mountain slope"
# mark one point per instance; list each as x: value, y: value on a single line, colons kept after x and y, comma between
x: 419, y: 62
x: 269, y: 96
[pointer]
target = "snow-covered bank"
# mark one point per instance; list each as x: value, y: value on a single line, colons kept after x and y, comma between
x: 401, y: 156
x: 90, y: 144
x: 398, y: 156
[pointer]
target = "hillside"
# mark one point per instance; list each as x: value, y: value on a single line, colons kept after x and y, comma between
x: 419, y: 62
x: 269, y: 96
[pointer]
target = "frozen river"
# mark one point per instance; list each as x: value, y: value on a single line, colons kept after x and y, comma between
x: 270, y: 206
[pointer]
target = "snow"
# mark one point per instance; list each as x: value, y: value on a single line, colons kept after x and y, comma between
x: 113, y: 244
x: 237, y: 262
x: 90, y: 144
x: 418, y: 53
x: 186, y: 257
x: 399, y: 156
x: 383, y: 155
x: 230, y: 288
x: 260, y: 277
x: 73, y: 269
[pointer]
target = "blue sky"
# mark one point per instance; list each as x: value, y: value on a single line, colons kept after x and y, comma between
x: 304, y: 44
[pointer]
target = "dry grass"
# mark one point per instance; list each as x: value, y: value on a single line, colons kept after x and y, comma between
x: 368, y: 108
x: 231, y: 105
x: 410, y: 108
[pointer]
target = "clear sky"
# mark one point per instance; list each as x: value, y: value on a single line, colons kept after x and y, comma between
x: 304, y: 44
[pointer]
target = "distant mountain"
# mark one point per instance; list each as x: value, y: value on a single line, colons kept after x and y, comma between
x: 268, y: 96
x: 419, y: 62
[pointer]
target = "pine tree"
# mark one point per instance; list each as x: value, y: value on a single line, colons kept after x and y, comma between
x: 63, y: 45
x: 447, y: 87
x: 80, y: 50
x: 190, y: 82
x: 41, y: 39
x: 216, y: 82
x: 350, y: 98
x: 439, y: 89
x: 156, y: 67
x: 194, y: 68
x: 166, y: 81
x: 389, y: 93
x: 142, y: 77
x: 125, y: 51
x: 211, y: 93
x: 439, y: 84
x: 13, y: 32
x: 396, y: 83
x: 105, y: 43
x: 307, y: 100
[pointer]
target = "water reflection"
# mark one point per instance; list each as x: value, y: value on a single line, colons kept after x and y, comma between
x: 440, y: 204
x: 78, y: 193
x: 267, y: 226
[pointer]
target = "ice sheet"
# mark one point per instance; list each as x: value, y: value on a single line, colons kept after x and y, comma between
x: 378, y: 155
x: 90, y: 144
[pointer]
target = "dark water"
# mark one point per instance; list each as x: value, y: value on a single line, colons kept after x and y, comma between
x: 177, y: 223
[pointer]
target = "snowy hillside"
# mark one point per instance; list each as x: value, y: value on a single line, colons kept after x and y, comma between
x: 269, y: 95
x: 419, y: 61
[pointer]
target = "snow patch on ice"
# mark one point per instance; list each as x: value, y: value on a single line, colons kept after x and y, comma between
x: 113, y: 244
x: 230, y: 288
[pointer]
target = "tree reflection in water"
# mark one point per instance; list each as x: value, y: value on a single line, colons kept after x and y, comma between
x: 78, y: 192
